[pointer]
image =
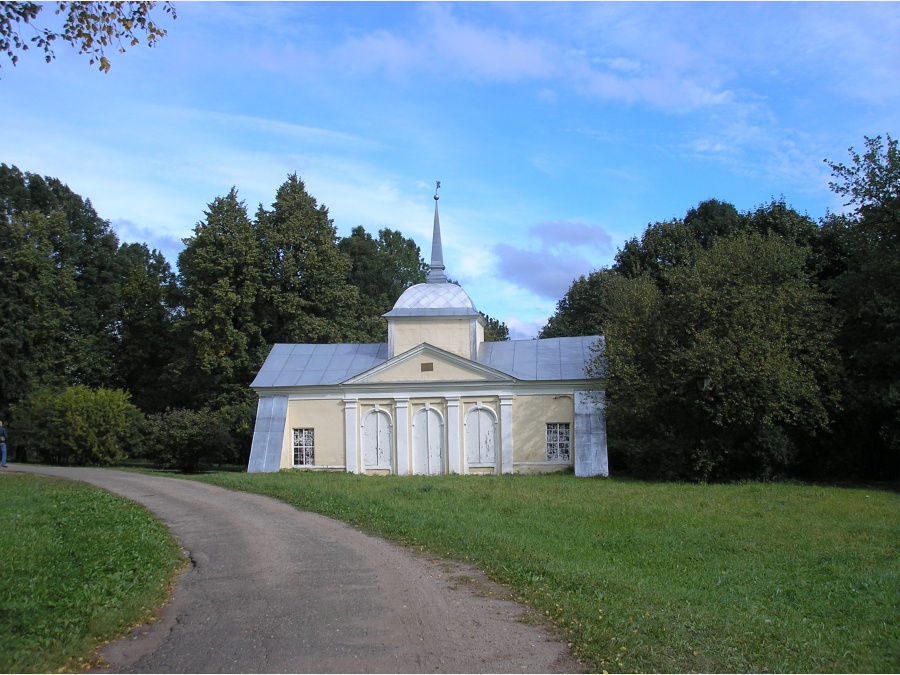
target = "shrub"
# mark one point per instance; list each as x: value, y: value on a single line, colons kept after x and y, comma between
x: 187, y: 440
x: 78, y: 426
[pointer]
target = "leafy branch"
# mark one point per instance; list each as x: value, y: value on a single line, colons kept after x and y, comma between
x: 91, y: 27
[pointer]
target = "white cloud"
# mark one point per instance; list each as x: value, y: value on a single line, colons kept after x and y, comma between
x: 523, y: 330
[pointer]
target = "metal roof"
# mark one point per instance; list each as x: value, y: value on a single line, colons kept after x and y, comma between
x: 434, y: 299
x: 309, y: 365
x: 547, y: 359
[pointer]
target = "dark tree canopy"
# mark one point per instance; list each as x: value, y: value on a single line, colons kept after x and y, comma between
x: 93, y: 28
x: 864, y: 280
x: 746, y: 316
x: 738, y: 344
x: 72, y: 254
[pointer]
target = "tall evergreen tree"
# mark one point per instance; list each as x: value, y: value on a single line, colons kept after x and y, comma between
x: 307, y: 296
x: 219, y: 275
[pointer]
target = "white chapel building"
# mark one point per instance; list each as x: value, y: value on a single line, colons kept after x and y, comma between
x: 435, y: 399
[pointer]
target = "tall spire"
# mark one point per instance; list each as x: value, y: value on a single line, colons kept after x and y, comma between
x: 436, y: 268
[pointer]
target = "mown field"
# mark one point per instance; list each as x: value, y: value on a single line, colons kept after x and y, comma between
x: 653, y: 577
x: 78, y: 567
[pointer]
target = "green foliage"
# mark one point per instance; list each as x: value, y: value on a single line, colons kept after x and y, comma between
x: 80, y: 426
x: 381, y: 269
x: 864, y: 279
x: 652, y: 577
x: 746, y: 315
x: 494, y: 329
x: 220, y: 279
x: 78, y: 567
x: 90, y: 27
x: 61, y: 288
x: 191, y: 440
x: 308, y: 297
x: 147, y: 348
x: 585, y: 307
x: 36, y: 298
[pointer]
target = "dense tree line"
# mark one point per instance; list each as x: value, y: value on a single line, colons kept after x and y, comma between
x: 90, y: 324
x: 737, y: 345
x: 757, y: 344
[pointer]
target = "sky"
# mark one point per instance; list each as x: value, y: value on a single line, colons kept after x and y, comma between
x: 558, y: 130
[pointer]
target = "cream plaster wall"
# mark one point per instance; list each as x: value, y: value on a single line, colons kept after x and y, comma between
x: 531, y: 414
x: 411, y: 371
x: 326, y: 417
x: 451, y: 335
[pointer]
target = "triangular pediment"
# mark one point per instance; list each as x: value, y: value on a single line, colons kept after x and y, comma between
x: 427, y: 363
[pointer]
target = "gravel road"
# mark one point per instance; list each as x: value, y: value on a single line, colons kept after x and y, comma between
x: 273, y: 589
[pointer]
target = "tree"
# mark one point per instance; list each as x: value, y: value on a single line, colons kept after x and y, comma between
x: 584, y: 308
x: 36, y: 296
x: 84, y: 248
x: 747, y: 323
x: 494, y: 329
x: 306, y: 294
x: 864, y: 278
x: 872, y: 186
x: 220, y: 284
x: 381, y: 269
x: 90, y: 27
x: 146, y: 346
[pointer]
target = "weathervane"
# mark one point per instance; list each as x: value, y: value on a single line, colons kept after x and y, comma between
x: 437, y: 187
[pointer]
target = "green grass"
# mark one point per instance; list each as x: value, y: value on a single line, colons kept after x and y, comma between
x: 653, y: 577
x: 78, y: 567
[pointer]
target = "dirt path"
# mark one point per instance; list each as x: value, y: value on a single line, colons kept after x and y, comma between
x: 272, y: 589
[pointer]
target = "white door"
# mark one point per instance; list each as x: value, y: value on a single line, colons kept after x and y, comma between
x: 481, y: 438
x: 378, y: 448
x: 428, y: 443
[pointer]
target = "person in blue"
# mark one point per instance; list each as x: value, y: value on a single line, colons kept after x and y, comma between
x: 3, y: 443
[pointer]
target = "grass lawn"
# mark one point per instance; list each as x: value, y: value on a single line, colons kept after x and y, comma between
x: 78, y: 566
x: 648, y: 576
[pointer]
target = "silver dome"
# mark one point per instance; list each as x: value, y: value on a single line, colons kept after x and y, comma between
x: 441, y: 299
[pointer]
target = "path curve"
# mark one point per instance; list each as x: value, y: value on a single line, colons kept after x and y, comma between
x: 273, y: 589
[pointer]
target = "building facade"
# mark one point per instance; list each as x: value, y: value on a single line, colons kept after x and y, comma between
x: 435, y: 399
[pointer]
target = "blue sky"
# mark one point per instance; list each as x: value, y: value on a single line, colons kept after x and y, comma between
x: 558, y: 130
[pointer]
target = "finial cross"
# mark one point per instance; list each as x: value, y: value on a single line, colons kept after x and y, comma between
x: 437, y: 187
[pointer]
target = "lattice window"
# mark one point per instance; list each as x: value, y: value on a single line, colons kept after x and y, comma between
x: 304, y: 447
x: 559, y: 442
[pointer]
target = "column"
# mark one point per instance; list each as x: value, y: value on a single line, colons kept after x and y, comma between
x: 351, y: 452
x: 453, y: 435
x: 506, y: 434
x: 401, y: 425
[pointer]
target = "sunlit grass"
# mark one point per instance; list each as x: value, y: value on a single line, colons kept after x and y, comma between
x: 654, y: 577
x: 78, y: 566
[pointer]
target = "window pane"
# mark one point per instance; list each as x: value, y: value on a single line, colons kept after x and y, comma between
x: 558, y: 442
x: 304, y: 447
